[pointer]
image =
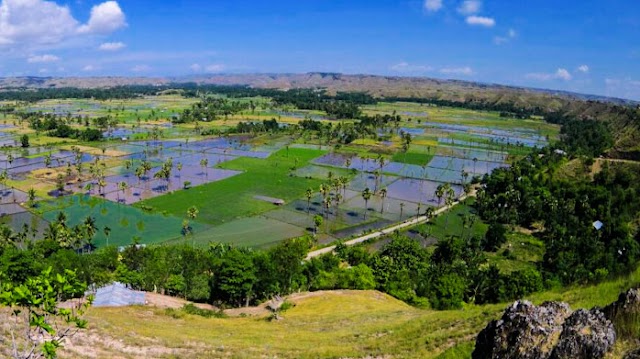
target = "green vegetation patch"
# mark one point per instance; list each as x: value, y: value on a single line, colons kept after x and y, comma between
x: 233, y: 198
x: 125, y: 222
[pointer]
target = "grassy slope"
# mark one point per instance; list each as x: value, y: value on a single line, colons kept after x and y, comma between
x: 233, y: 198
x: 326, y: 325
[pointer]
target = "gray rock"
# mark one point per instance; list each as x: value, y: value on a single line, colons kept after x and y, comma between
x: 585, y: 334
x: 548, y: 331
x: 525, y: 331
x: 627, y: 303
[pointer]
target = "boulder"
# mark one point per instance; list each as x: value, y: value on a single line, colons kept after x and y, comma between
x: 548, y: 331
x: 525, y: 331
x: 585, y: 334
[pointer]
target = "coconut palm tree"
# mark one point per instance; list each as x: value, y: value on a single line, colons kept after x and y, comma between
x: 107, y: 233
x: 309, y: 194
x: 101, y: 185
x: 204, y: 163
x: 383, y: 195
x: 366, y: 195
x: 122, y: 186
x: 440, y: 193
x: 343, y: 182
x: 179, y: 167
x: 401, y: 209
x: 31, y: 197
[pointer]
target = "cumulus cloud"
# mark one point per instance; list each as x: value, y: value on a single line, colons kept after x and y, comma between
x: 560, y: 74
x: 42, y: 59
x: 464, y: 71
x: 584, y: 69
x: 196, y: 68
x: 404, y: 67
x: 89, y: 68
x: 470, y: 7
x: 112, y: 46
x: 32, y: 24
x: 34, y: 21
x: 480, y: 21
x: 511, y: 34
x: 105, y: 18
x: 432, y: 5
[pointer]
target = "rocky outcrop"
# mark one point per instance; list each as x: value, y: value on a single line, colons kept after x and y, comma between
x: 548, y: 331
x: 628, y: 304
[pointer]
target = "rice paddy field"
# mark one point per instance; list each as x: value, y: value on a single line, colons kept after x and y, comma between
x: 250, y: 190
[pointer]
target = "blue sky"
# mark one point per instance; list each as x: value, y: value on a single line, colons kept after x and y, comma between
x: 585, y: 46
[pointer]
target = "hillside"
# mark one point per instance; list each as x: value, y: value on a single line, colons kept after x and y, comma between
x: 334, y: 324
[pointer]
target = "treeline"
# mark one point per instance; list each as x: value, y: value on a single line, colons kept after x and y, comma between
x: 506, y: 109
x: 228, y: 276
x: 118, y: 92
x: 586, y: 222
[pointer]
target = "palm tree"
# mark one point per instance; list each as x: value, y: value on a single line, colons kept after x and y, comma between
x: 440, y: 193
x: 401, y: 209
x: 344, y: 181
x: 192, y: 212
x: 107, y: 233
x: 122, y: 186
x: 47, y: 160
x: 204, y: 163
x: 383, y: 195
x: 450, y: 197
x: 101, y: 185
x: 309, y: 194
x: 179, y: 167
x: 31, y: 197
x: 366, y: 195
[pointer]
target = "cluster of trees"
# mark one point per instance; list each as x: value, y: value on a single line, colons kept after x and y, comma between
x: 211, y: 109
x: 58, y: 126
x: 585, y: 221
x: 230, y: 276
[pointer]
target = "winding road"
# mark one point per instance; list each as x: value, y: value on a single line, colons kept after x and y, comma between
x: 389, y: 230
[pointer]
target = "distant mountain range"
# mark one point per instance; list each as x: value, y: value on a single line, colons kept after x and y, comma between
x: 382, y: 86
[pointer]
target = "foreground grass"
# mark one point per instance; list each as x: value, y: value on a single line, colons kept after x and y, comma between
x: 334, y: 324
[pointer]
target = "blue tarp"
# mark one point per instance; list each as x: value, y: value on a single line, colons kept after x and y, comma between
x: 117, y: 295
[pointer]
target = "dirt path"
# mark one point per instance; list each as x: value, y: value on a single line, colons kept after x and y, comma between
x: 389, y: 230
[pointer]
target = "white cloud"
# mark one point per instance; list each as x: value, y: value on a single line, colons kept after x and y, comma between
x: 34, y: 22
x: 105, y: 18
x: 584, y: 69
x: 215, y: 68
x: 432, y: 5
x: 43, y: 71
x: 511, y: 34
x: 141, y: 68
x: 560, y: 74
x: 481, y: 21
x: 42, y: 58
x: 89, y: 68
x: 465, y: 71
x: 405, y: 67
x: 27, y: 25
x: 195, y: 67
x: 112, y: 46
x: 470, y: 7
